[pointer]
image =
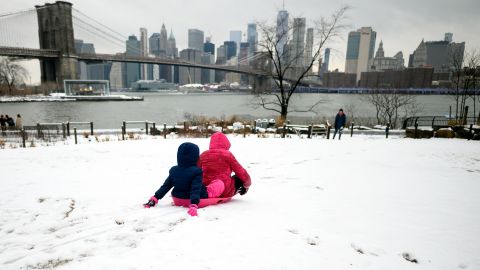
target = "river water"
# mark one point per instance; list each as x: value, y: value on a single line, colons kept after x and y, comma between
x: 170, y: 108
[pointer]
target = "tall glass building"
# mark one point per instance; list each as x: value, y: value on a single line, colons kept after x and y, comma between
x: 360, y: 50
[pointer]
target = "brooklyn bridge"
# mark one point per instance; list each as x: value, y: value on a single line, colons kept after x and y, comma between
x: 59, y: 60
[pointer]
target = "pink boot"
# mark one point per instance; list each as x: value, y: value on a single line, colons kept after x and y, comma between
x: 215, y: 189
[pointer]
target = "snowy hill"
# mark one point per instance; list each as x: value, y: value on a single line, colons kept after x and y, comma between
x: 358, y: 203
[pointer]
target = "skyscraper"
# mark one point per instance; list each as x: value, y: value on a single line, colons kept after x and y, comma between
x: 323, y: 67
x: 309, y: 47
x: 163, y: 41
x: 132, y: 70
x: 298, y: 42
x: 172, y: 53
x: 442, y: 55
x: 360, y: 50
x: 230, y: 49
x: 282, y: 31
x: 236, y: 35
x: 209, y: 47
x: 252, y: 38
x: 195, y: 39
x: 190, y: 75
x: 154, y: 44
x: 144, y: 51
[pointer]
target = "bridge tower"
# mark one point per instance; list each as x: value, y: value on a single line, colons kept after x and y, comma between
x: 55, y: 31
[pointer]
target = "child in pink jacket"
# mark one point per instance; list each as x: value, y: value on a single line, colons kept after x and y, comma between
x: 218, y: 163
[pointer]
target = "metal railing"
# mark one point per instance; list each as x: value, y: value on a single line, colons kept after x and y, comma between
x: 437, y: 122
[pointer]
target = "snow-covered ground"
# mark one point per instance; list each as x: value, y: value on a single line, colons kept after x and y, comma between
x: 359, y: 203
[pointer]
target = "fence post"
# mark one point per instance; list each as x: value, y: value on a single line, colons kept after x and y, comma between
x: 164, y: 130
x: 68, y: 128
x: 123, y: 133
x: 185, y: 128
x: 91, y: 128
x: 310, y: 128
x: 206, y: 133
x: 146, y: 127
x: 465, y: 115
x: 64, y: 131
x: 284, y: 131
x: 244, y: 130
x: 23, y: 138
x: 154, y: 130
x: 433, y: 121
x: 470, y: 135
x: 38, y: 130
x: 222, y: 126
x: 328, y: 131
x: 416, y: 129
x: 450, y: 114
x: 351, y: 129
x: 254, y: 127
x: 387, y: 130
x: 75, y: 134
x: 124, y: 129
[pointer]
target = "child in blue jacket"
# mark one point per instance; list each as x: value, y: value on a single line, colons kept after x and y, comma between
x: 186, y: 180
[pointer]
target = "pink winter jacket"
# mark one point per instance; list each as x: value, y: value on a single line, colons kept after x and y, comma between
x: 218, y: 163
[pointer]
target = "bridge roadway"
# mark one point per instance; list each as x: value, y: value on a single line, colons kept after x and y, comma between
x: 49, y: 54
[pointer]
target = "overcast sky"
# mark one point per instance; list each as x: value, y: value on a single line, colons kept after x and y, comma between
x: 400, y: 24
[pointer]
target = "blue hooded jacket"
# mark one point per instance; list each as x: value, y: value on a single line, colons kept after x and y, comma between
x: 340, y: 121
x: 186, y: 177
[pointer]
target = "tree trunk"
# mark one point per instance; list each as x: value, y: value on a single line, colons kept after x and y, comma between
x: 283, y: 115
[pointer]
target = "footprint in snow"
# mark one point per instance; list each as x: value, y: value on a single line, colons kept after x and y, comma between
x: 409, y: 257
x: 362, y: 250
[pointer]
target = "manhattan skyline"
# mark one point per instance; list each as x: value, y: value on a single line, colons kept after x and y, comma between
x: 400, y: 25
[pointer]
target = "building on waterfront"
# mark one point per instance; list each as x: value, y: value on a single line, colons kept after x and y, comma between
x: 116, y: 75
x: 154, y: 44
x: 152, y: 85
x: 380, y: 62
x: 282, y: 32
x: 172, y: 53
x: 208, y: 46
x: 195, y: 39
x: 360, y: 50
x: 243, y: 53
x: 208, y: 75
x: 190, y: 75
x: 252, y: 38
x: 230, y: 49
x: 443, y: 55
x: 221, y: 60
x: 309, y: 47
x: 236, y: 35
x: 324, y: 62
x: 132, y: 70
x: 337, y: 79
x: 81, y: 47
x: 143, y: 52
x: 419, y: 77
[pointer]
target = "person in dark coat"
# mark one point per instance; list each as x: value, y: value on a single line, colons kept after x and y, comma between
x: 186, y: 180
x: 340, y: 121
x: 10, y: 122
x: 3, y: 124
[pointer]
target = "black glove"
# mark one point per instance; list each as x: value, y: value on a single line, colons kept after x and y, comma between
x: 151, y: 203
x: 242, y: 190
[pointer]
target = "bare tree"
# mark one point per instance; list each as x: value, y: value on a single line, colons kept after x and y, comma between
x: 389, y: 103
x: 11, y: 73
x: 289, y: 67
x: 465, y: 73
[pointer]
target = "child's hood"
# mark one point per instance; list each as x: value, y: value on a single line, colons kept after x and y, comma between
x: 219, y: 141
x: 187, y: 154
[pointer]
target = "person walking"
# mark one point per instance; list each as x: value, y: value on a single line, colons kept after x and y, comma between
x: 340, y: 121
x: 19, y: 122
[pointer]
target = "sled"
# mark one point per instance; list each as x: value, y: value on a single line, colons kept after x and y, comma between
x: 202, y: 203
